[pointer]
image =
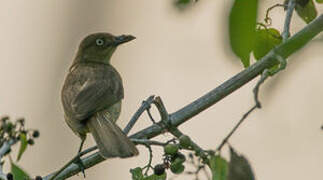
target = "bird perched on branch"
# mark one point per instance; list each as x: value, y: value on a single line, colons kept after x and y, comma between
x: 92, y: 94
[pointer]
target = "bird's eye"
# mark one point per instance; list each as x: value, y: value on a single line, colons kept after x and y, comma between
x: 99, y: 42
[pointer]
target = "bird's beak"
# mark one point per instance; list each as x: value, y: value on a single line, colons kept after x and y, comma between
x: 123, y: 39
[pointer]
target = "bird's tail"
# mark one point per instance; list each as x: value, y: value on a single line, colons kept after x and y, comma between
x: 111, y: 141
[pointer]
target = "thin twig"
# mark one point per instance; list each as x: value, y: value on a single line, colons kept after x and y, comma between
x: 225, y: 140
x: 161, y: 109
x: 151, y: 142
x: 144, y: 106
x: 150, y: 116
x: 267, y: 18
x: 290, y: 9
x: 263, y: 77
x: 148, y: 166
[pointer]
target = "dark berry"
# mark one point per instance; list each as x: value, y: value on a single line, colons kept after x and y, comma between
x: 9, y: 176
x: 159, y: 169
x: 31, y: 142
x: 38, y: 178
x: 36, y: 134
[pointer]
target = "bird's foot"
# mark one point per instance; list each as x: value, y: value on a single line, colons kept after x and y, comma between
x: 79, y: 163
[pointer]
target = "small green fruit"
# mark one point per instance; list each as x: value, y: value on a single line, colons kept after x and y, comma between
x: 171, y: 149
x: 177, y: 168
x: 185, y: 141
x: 178, y: 158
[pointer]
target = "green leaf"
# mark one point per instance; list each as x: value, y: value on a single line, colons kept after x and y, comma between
x: 18, y: 173
x: 156, y: 177
x: 266, y: 39
x: 219, y: 167
x: 319, y: 1
x: 183, y: 1
x: 23, y: 145
x: 183, y: 4
x: 301, y: 2
x: 308, y: 12
x: 242, y: 28
x: 239, y: 167
x: 137, y: 174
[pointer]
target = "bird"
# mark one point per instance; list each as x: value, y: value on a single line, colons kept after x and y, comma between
x: 92, y: 95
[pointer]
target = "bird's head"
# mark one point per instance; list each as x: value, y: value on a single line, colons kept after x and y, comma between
x: 99, y: 47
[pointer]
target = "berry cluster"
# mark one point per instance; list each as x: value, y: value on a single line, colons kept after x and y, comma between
x: 173, y: 158
x: 15, y: 130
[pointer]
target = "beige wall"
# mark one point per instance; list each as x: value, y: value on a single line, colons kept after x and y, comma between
x: 179, y: 56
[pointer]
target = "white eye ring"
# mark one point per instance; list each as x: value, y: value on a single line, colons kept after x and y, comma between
x: 99, y: 42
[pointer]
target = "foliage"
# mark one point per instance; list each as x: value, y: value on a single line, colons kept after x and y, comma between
x: 244, y: 35
x: 175, y: 161
x: 12, y: 132
x: 306, y: 10
x: 242, y: 28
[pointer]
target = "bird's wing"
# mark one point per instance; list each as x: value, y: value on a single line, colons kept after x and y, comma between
x: 98, y: 92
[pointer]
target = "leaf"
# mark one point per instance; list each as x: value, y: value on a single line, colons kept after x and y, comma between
x: 319, y: 1
x: 239, y: 167
x: 183, y: 1
x: 308, y: 12
x: 156, y: 177
x: 18, y: 173
x: 183, y: 4
x: 137, y: 174
x: 242, y: 27
x: 266, y: 39
x: 219, y: 167
x: 302, y: 2
x: 23, y: 145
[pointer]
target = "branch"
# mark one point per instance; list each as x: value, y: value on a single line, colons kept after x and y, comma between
x: 145, y: 106
x: 266, y: 73
x: 290, y: 46
x: 225, y: 140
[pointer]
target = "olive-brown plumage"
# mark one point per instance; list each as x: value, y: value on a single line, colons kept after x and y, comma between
x: 92, y: 94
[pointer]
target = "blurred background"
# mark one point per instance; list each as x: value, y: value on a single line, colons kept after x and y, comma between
x: 179, y: 55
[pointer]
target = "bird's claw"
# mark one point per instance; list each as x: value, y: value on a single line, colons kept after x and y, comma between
x: 80, y: 164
